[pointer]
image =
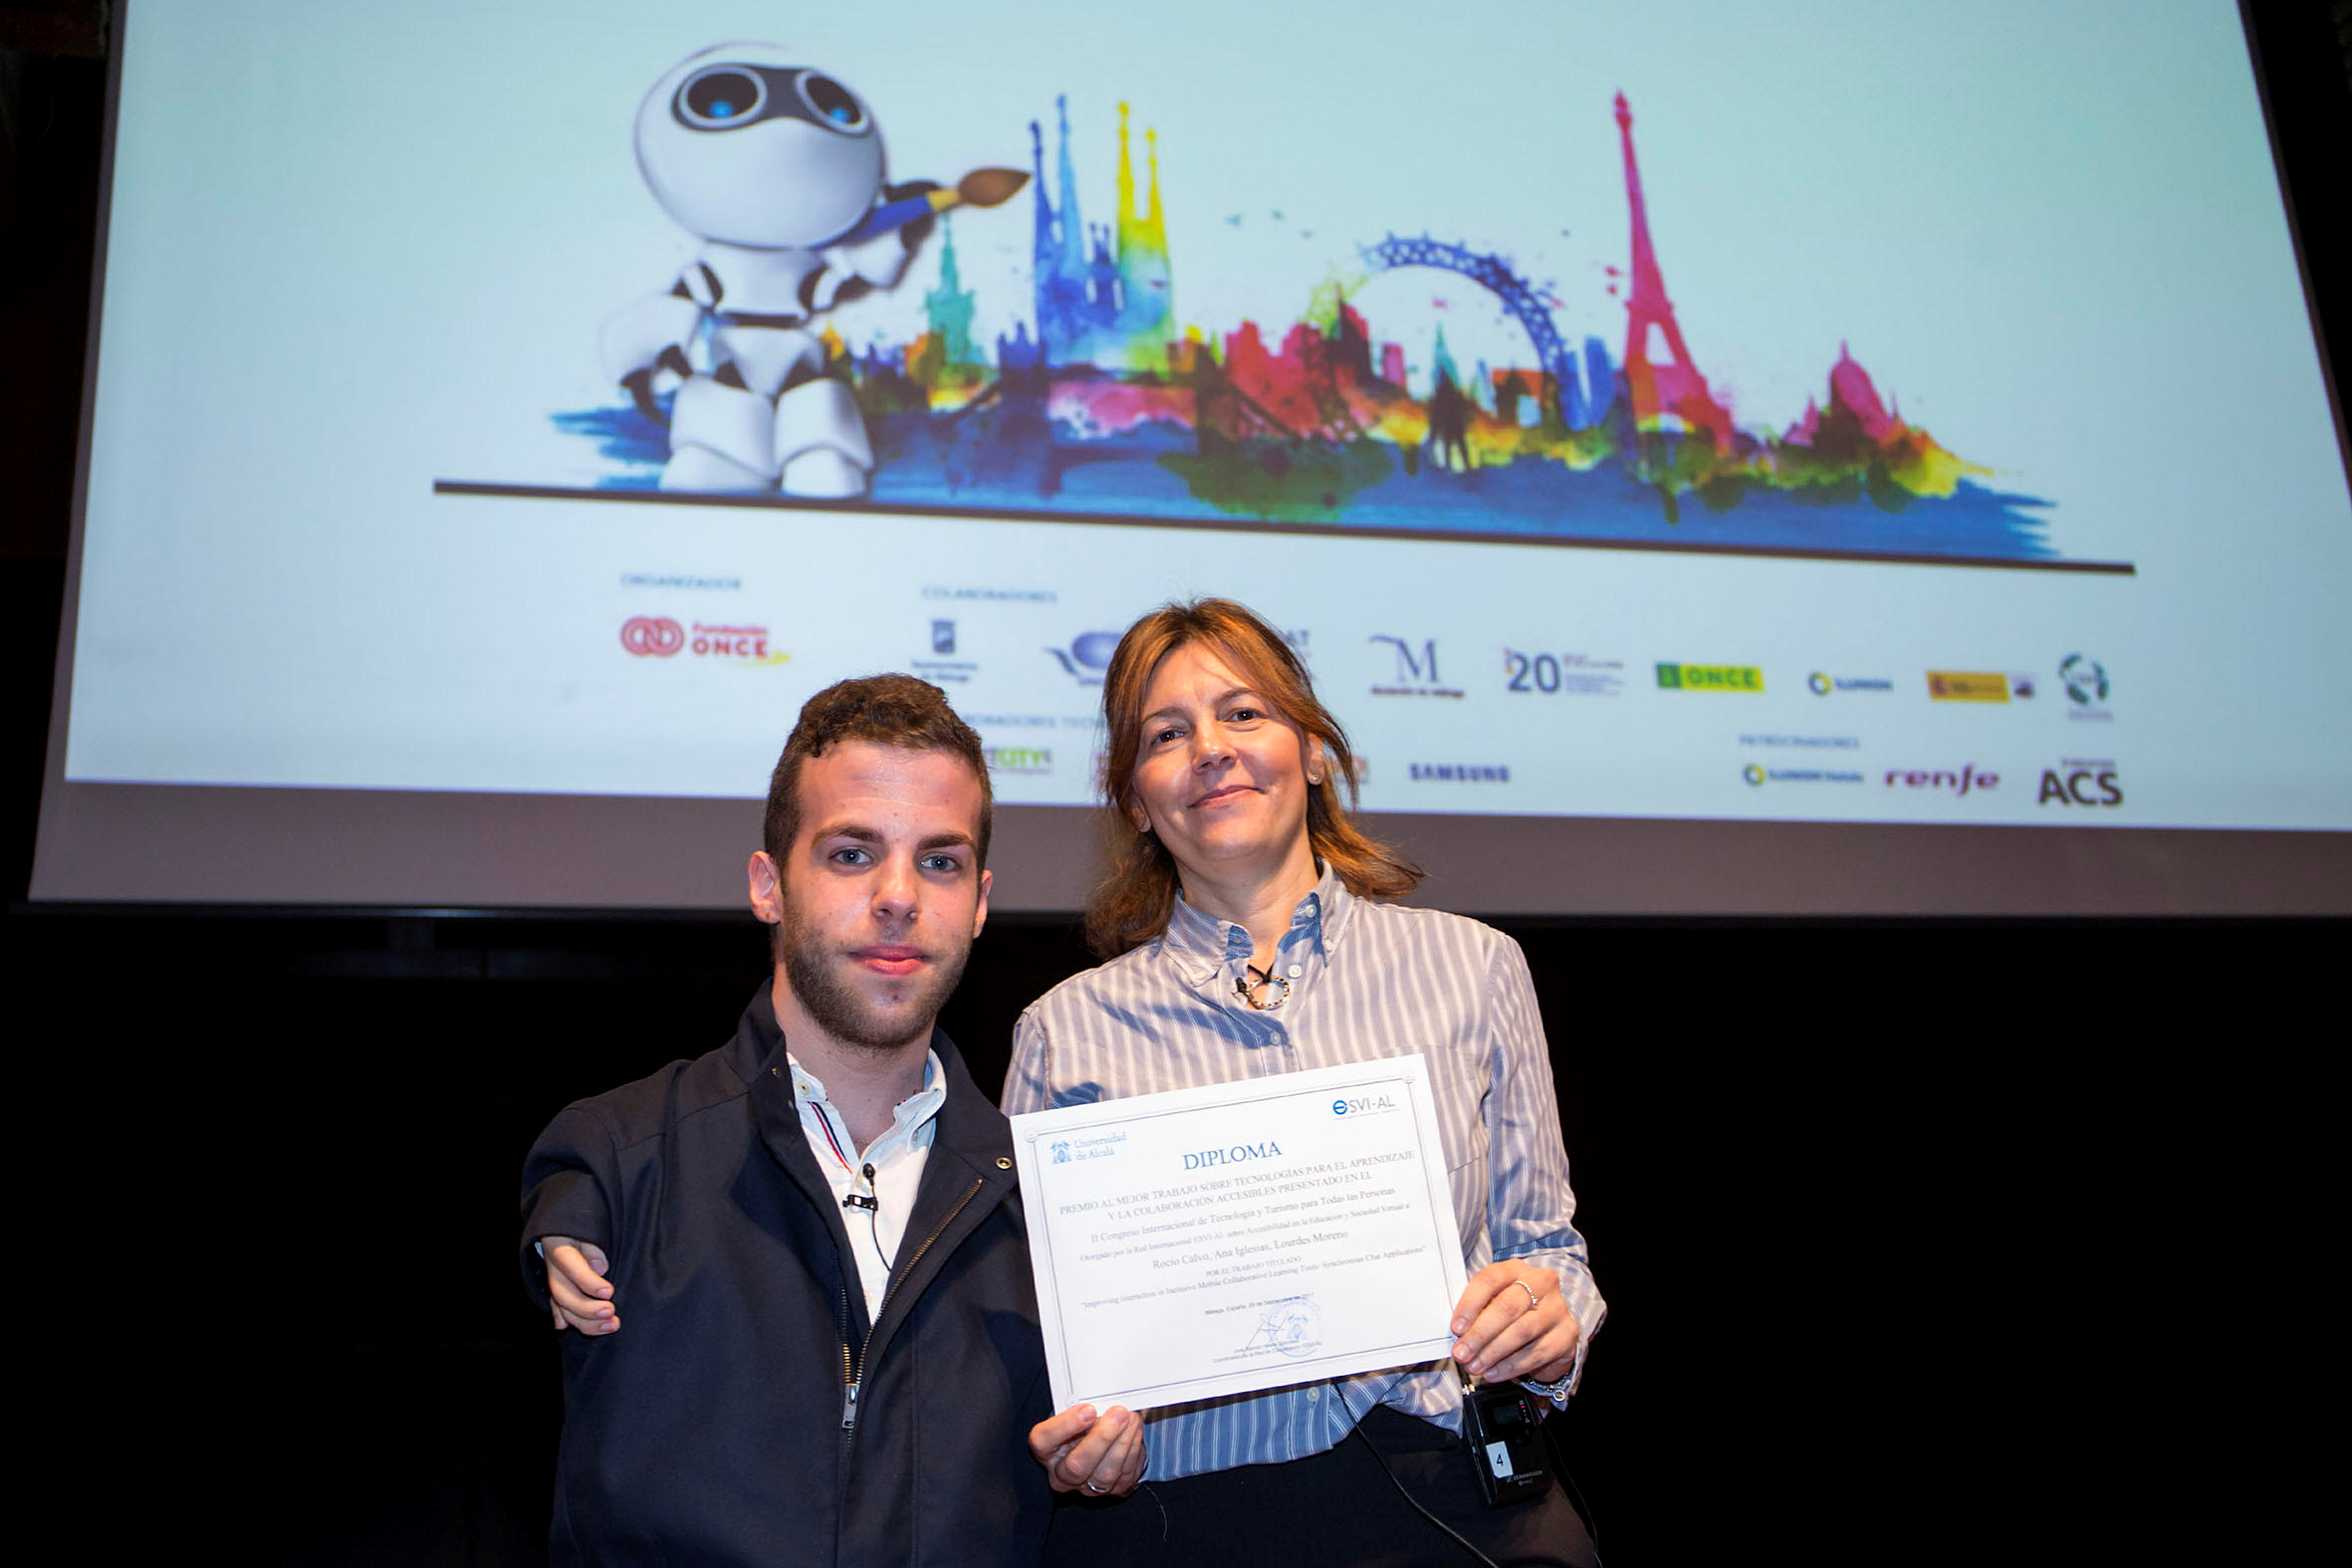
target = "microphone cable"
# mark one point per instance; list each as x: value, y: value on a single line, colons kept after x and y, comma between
x: 1357, y: 1422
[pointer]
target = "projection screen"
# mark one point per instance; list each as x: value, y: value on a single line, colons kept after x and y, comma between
x: 1711, y: 459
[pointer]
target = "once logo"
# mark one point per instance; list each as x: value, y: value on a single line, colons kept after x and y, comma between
x: 652, y: 636
x: 734, y: 642
x: 1709, y: 678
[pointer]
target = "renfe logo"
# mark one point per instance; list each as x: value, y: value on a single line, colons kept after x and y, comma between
x: 1957, y: 783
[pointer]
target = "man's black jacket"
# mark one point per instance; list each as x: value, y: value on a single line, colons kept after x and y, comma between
x: 715, y: 1425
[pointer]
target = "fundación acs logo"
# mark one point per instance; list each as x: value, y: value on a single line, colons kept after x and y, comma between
x: 2081, y: 781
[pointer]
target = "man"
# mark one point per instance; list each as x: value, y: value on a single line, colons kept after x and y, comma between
x: 813, y: 1233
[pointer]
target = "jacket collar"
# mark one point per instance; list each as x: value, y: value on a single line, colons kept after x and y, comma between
x: 968, y: 1122
x: 967, y: 1176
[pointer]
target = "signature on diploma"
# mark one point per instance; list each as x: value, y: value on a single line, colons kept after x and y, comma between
x: 1290, y: 1326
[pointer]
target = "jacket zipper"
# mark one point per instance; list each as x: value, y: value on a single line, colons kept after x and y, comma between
x: 854, y: 1375
x: 848, y: 1377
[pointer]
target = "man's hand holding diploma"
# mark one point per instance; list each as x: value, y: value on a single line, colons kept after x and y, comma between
x: 1102, y: 1456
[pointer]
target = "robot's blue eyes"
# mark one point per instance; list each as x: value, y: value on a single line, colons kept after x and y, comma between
x: 832, y: 100
x: 731, y: 97
x: 721, y: 95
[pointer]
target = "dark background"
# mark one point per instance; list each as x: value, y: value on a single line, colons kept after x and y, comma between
x: 1922, y: 1239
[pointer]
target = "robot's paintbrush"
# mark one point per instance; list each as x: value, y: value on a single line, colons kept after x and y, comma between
x: 980, y: 189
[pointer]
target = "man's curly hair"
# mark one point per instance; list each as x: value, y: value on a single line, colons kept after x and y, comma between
x: 888, y: 710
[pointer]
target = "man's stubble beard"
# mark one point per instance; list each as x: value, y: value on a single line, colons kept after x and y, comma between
x: 838, y: 1008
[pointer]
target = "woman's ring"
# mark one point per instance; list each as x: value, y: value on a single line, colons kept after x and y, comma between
x: 1532, y: 1303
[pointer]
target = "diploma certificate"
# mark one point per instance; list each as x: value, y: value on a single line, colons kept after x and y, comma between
x: 1240, y: 1237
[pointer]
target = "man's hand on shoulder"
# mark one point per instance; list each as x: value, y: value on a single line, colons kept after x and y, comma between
x: 576, y: 1282
x: 1103, y: 1457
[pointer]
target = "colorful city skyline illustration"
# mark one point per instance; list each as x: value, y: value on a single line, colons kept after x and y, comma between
x: 1103, y: 403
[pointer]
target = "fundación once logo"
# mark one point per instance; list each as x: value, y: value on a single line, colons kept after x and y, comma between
x: 652, y: 636
x: 659, y: 637
x: 1709, y: 678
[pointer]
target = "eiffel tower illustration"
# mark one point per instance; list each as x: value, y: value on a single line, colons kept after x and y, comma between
x: 1674, y: 387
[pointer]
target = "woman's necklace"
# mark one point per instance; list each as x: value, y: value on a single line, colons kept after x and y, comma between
x: 1252, y: 991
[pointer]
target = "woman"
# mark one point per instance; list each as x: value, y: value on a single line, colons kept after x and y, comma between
x: 1243, y: 939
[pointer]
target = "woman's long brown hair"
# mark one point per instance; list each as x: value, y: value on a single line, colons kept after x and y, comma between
x: 1137, y: 897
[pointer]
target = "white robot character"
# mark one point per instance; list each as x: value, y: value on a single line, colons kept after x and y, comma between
x: 778, y: 168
